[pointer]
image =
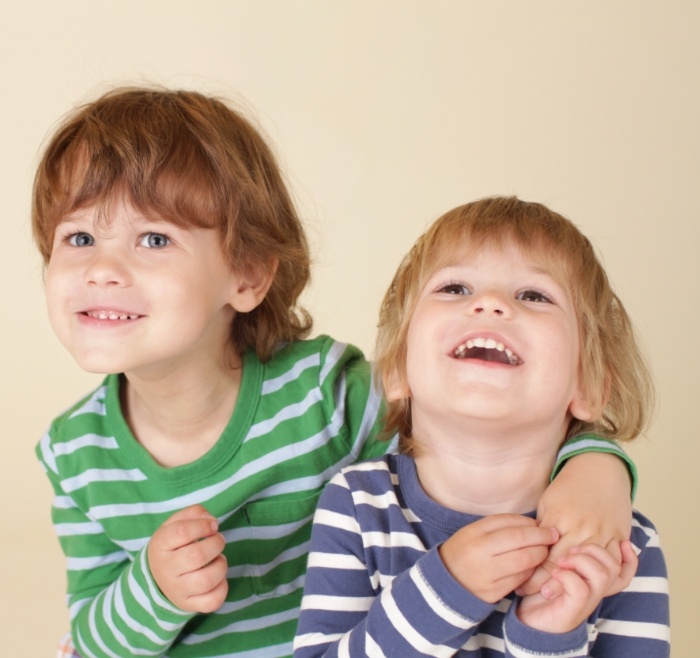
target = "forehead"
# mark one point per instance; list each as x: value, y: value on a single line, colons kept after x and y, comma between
x: 538, y: 256
x: 120, y: 210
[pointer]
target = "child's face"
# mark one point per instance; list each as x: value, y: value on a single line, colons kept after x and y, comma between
x: 134, y: 295
x: 493, y: 338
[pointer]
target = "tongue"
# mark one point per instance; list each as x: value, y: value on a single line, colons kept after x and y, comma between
x: 484, y: 354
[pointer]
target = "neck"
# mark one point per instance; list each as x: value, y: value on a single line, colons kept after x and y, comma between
x: 487, y: 473
x: 178, y: 417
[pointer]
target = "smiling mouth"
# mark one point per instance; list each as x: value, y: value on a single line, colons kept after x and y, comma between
x: 487, y: 349
x: 111, y: 315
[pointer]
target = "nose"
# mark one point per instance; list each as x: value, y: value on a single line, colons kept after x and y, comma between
x: 107, y: 269
x: 491, y: 303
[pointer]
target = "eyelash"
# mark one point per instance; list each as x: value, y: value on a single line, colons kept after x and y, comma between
x: 71, y: 239
x: 148, y: 234
x: 544, y: 297
x: 444, y: 287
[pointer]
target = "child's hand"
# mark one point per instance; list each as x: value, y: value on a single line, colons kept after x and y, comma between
x: 186, y: 560
x: 588, y: 503
x: 584, y: 576
x: 494, y: 555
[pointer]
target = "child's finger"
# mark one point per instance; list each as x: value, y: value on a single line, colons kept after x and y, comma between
x: 630, y: 562
x: 208, y: 601
x: 513, y: 538
x: 197, y: 555
x: 551, y: 589
x: 207, y: 577
x: 572, y: 584
x: 186, y: 513
x: 595, y: 565
x: 598, y: 553
x: 176, y: 534
x: 535, y: 583
x: 622, y: 555
x: 498, y: 521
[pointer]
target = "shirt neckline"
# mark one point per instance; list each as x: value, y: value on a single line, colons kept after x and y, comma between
x: 218, y: 455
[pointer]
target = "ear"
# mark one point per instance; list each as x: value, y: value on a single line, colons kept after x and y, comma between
x: 395, y: 386
x: 580, y: 406
x: 250, y: 286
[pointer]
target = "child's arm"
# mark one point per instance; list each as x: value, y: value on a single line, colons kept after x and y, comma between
x: 116, y: 607
x: 494, y: 555
x: 349, y: 607
x: 631, y: 624
x: 584, y: 576
x: 589, y: 501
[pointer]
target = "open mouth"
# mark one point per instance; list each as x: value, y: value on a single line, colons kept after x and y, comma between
x: 487, y: 349
x: 111, y: 315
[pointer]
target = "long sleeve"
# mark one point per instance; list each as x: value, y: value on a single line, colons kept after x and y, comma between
x: 114, y: 603
x: 630, y: 624
x: 583, y: 443
x: 300, y: 417
x: 376, y: 584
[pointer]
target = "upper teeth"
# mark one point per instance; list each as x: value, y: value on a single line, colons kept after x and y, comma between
x: 111, y: 315
x: 489, y: 344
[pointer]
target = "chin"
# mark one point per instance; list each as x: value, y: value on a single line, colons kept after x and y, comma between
x: 99, y: 365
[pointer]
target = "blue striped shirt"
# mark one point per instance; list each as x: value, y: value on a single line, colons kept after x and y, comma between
x: 376, y: 585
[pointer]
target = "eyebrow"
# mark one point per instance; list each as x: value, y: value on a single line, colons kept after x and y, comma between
x: 531, y: 269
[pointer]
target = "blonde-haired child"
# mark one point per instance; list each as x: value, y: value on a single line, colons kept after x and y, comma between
x: 499, y: 338
x: 186, y: 483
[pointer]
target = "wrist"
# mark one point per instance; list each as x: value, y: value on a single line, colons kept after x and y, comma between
x: 605, y: 453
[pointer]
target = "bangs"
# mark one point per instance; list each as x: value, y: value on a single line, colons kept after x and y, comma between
x: 147, y: 155
x: 555, y: 246
x: 176, y: 183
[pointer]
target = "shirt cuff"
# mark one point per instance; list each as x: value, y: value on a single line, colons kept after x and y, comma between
x: 594, y: 443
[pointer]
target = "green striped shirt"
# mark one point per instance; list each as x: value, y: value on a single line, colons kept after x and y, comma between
x: 299, y: 418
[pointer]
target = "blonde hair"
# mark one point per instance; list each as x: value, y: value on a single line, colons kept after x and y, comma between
x: 616, y: 379
x: 191, y: 160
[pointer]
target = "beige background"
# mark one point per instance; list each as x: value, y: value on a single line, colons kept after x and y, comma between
x: 385, y: 114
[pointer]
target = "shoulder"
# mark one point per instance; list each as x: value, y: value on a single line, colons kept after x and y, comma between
x: 366, y: 475
x: 644, y: 532
x: 365, y: 483
x: 322, y: 351
x: 647, y: 544
x: 92, y: 409
x: 362, y: 491
x: 319, y: 362
x: 84, y: 421
x: 370, y: 473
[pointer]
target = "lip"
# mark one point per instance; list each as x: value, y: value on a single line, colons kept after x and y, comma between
x: 497, y: 342
x: 107, y: 316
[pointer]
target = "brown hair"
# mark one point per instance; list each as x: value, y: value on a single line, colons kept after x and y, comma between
x: 616, y: 378
x: 191, y: 160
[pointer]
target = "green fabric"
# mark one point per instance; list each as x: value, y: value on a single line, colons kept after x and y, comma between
x: 582, y: 443
x: 299, y: 418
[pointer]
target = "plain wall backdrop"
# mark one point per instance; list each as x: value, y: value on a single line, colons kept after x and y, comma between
x: 384, y: 115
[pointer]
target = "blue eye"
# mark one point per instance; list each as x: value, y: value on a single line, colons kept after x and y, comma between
x: 533, y: 296
x: 81, y: 240
x: 454, y: 289
x: 154, y: 240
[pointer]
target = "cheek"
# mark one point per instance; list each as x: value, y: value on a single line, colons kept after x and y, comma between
x: 52, y: 290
